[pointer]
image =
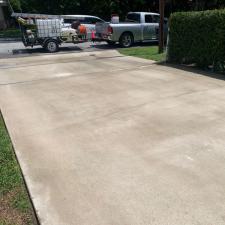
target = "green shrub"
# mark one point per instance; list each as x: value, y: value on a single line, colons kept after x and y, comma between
x: 198, y: 37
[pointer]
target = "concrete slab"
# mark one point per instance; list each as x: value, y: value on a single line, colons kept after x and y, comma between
x: 107, y: 139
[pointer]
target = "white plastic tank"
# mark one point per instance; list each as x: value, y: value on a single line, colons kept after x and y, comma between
x: 49, y: 27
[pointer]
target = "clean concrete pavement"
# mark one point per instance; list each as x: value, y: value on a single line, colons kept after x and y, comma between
x: 104, y: 139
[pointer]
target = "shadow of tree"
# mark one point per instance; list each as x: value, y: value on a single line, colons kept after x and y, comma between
x: 194, y: 69
x: 43, y: 51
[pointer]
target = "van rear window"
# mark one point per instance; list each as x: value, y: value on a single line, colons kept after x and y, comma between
x: 73, y: 20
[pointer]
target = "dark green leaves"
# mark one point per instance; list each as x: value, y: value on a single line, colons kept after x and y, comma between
x: 198, y: 37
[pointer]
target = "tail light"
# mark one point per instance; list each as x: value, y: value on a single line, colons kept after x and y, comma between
x: 110, y: 30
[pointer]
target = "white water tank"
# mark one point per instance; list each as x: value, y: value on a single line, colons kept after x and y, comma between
x: 49, y: 27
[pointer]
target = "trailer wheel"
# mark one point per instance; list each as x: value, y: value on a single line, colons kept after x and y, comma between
x: 126, y: 40
x: 52, y: 46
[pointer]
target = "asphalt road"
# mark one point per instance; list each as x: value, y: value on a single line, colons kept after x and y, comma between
x: 12, y: 49
x: 104, y: 139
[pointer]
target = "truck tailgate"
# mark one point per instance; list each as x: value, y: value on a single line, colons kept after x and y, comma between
x: 102, y: 28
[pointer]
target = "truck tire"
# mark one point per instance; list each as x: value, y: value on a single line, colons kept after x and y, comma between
x: 52, y: 46
x: 126, y: 40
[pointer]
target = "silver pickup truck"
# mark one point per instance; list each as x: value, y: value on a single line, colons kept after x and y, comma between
x: 139, y: 27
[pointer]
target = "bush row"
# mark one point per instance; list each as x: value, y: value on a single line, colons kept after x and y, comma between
x: 199, y: 38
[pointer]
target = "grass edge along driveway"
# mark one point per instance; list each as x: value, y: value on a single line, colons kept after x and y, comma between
x: 149, y: 52
x: 15, y: 206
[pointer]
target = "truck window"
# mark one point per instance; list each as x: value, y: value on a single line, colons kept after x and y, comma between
x: 134, y: 17
x: 148, y: 19
x: 152, y: 19
x: 156, y: 19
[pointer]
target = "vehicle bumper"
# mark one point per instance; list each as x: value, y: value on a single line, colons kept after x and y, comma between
x: 102, y: 37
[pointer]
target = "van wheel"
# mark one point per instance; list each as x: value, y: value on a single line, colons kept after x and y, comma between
x: 52, y: 46
x: 126, y: 40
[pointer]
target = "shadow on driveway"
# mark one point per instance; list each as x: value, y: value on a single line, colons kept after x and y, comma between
x: 194, y: 69
x: 117, y: 46
x: 42, y: 50
x: 84, y: 47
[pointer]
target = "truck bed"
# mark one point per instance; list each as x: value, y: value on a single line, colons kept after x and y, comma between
x: 102, y: 28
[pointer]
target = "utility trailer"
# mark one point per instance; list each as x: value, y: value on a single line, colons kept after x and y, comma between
x: 48, y: 31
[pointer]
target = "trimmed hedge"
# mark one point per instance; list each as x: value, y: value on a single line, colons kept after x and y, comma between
x: 198, y: 37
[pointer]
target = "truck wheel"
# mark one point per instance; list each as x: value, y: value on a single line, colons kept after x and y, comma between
x: 126, y: 40
x: 52, y: 46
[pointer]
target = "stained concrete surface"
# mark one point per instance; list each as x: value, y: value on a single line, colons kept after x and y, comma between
x: 104, y: 139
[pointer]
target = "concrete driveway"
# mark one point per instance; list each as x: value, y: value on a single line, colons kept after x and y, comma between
x: 104, y: 139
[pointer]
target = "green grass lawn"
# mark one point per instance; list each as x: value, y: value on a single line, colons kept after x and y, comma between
x: 150, y: 52
x: 15, y: 206
x: 10, y: 33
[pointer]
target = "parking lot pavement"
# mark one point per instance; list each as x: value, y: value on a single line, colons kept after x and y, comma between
x: 104, y: 139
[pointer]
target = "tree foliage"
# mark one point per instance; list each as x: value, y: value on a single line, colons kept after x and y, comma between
x: 104, y: 8
x: 203, y: 39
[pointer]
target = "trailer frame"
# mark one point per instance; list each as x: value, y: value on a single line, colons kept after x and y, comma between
x: 52, y: 36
